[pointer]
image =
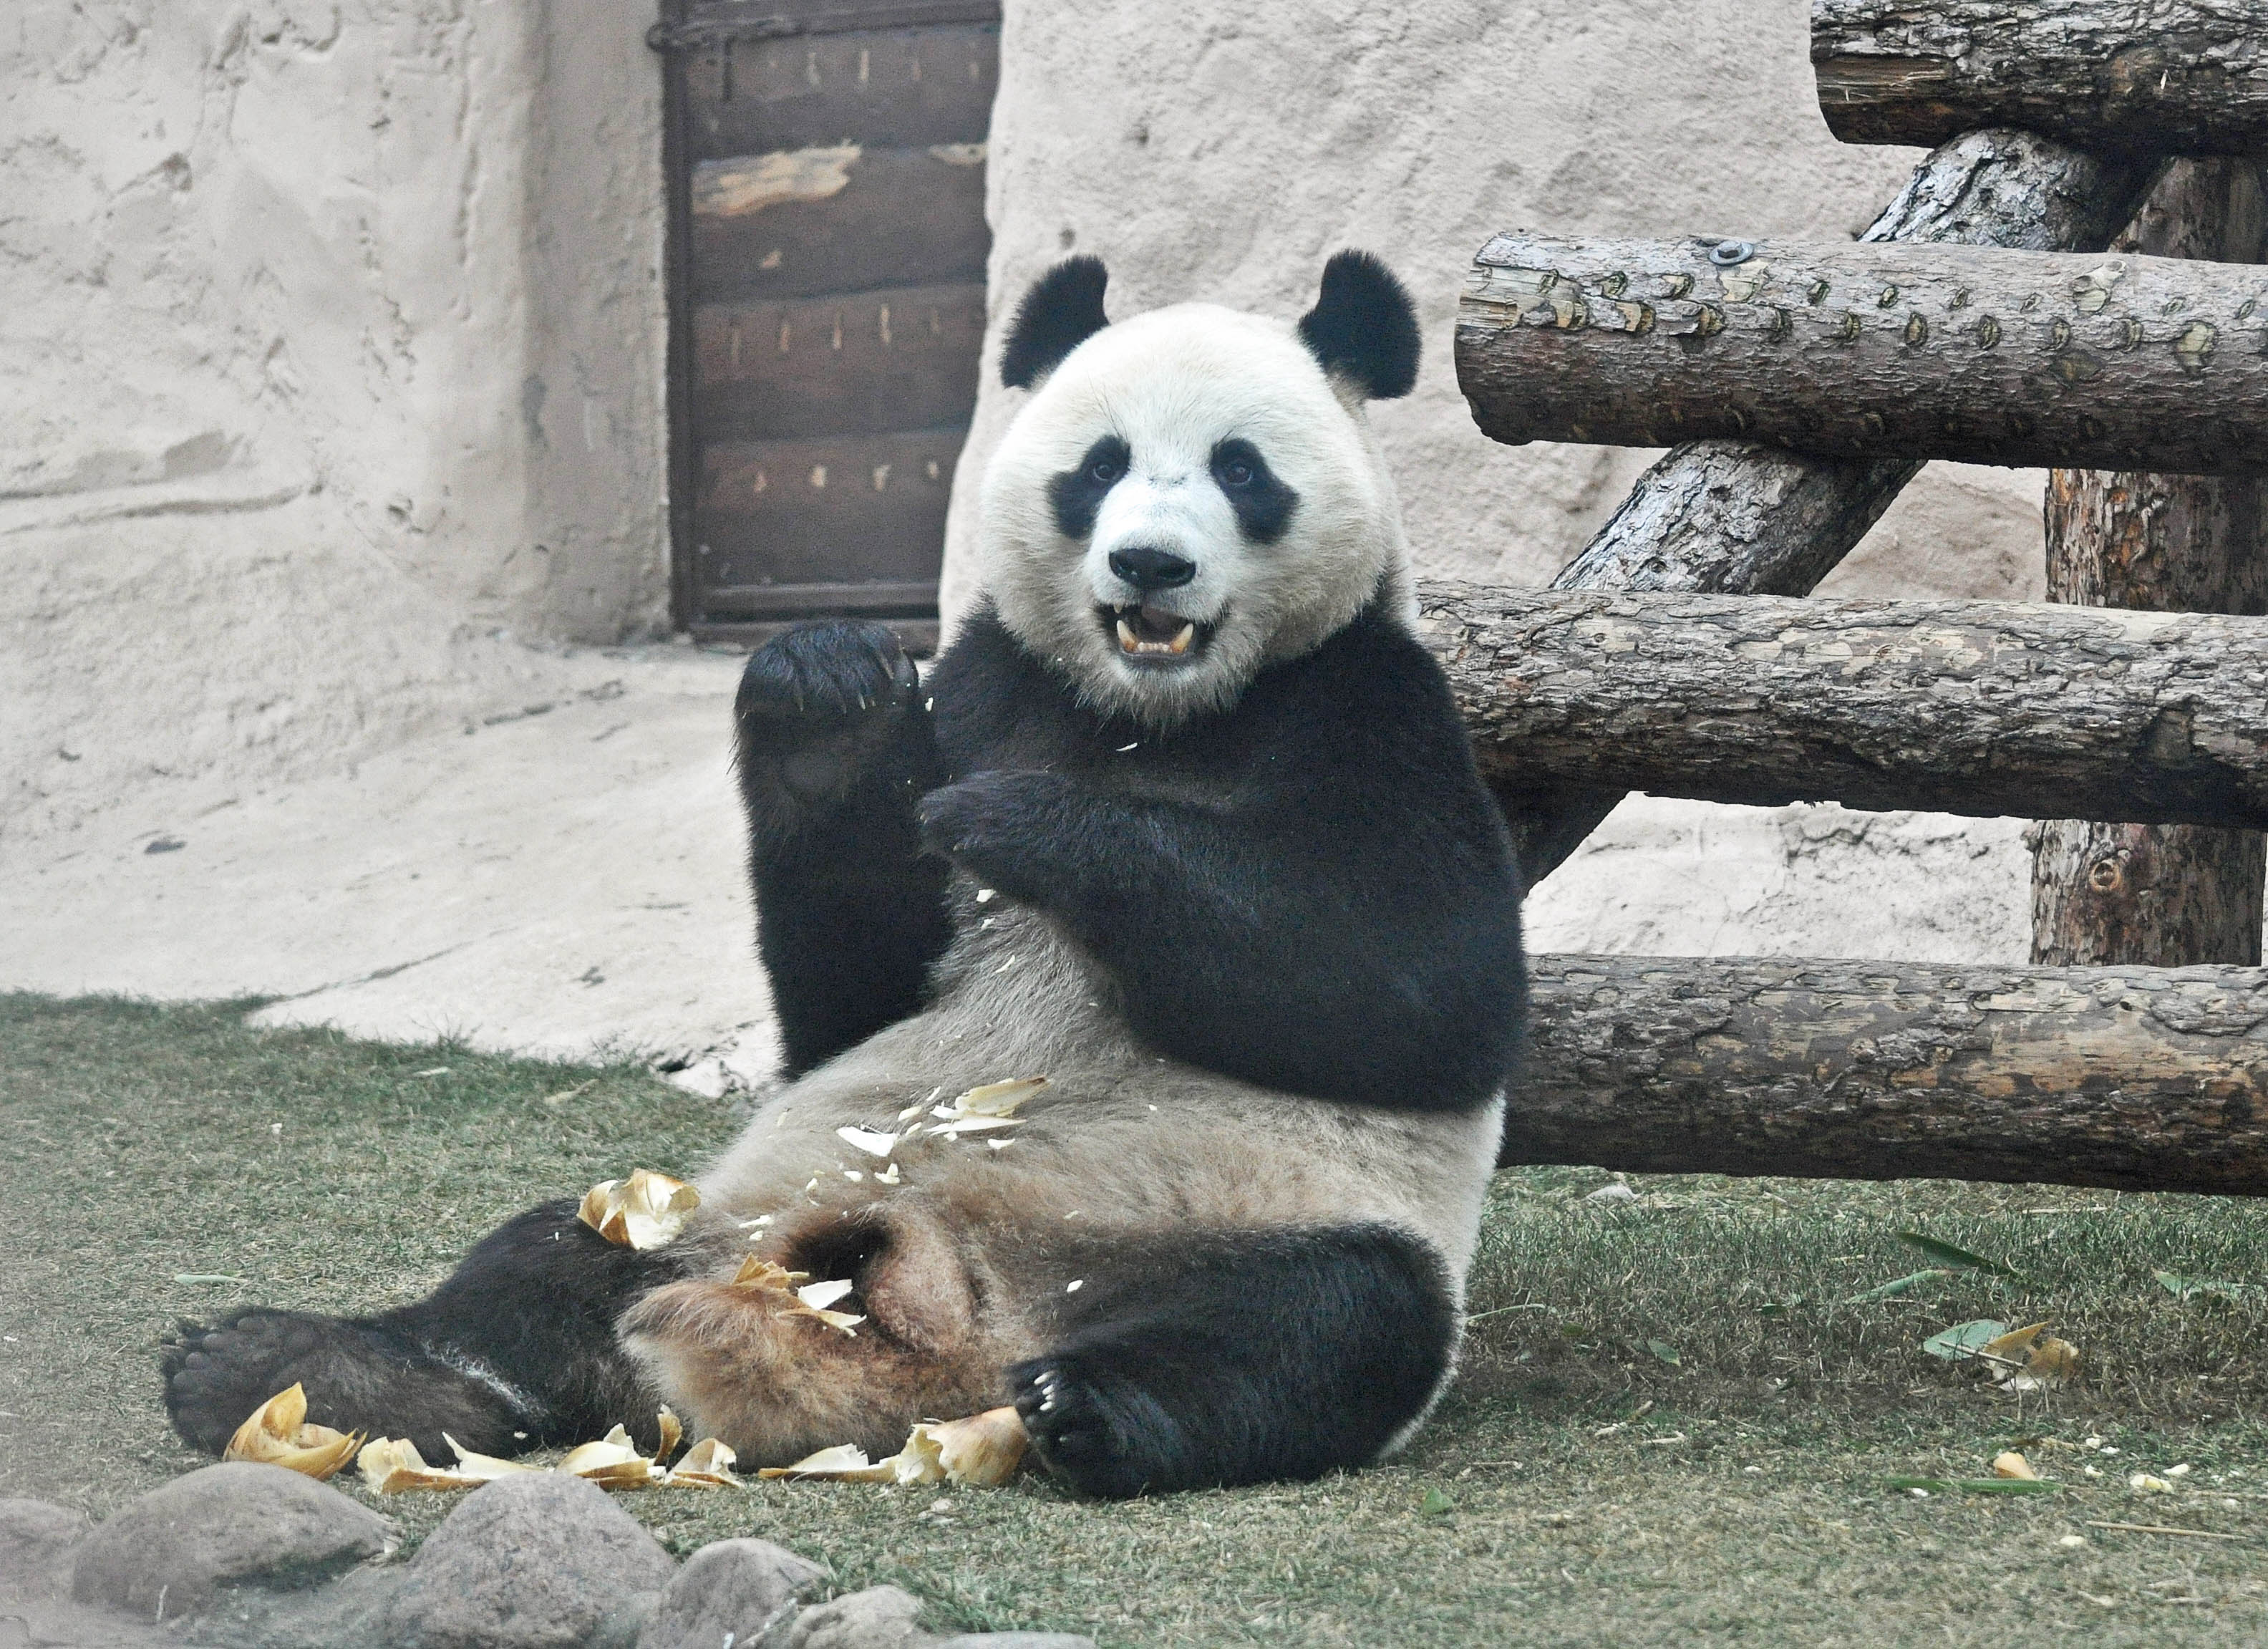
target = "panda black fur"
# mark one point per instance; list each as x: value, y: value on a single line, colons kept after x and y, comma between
x: 1185, y: 820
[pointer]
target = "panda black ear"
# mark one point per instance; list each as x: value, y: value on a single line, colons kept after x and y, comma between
x: 1363, y: 328
x: 1063, y: 310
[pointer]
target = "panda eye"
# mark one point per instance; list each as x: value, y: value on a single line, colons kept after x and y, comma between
x: 1236, y: 473
x: 1104, y: 470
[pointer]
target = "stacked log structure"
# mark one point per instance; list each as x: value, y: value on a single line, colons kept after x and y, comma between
x: 1804, y: 386
x: 1989, y: 708
x: 2156, y: 76
x: 1738, y: 516
x: 2128, y: 890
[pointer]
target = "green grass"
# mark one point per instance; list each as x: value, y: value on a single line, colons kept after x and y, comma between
x: 1575, y: 1488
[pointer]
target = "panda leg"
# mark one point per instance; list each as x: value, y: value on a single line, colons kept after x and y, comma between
x: 516, y: 1350
x: 1246, y: 1358
x: 834, y: 747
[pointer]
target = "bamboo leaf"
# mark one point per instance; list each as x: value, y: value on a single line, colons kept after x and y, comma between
x: 1895, y: 1287
x: 1945, y: 1253
x: 1963, y: 1339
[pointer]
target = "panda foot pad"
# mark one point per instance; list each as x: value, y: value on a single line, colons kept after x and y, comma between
x: 216, y: 1377
x: 1085, y: 1434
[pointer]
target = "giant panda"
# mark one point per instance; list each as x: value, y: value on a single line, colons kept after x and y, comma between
x: 1184, y: 821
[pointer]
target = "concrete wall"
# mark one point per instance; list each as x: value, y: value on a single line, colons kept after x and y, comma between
x: 333, y: 336
x: 1223, y: 150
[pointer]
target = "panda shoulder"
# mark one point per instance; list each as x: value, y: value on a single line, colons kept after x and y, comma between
x: 1378, y: 671
x: 980, y: 683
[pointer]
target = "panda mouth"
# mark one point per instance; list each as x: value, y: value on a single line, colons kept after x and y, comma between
x: 1152, y: 635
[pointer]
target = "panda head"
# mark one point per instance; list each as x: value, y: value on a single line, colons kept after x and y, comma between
x: 1193, y: 494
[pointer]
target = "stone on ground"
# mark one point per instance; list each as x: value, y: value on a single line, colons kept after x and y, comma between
x: 534, y: 1561
x: 36, y: 1540
x: 879, y: 1617
x: 730, y: 1590
x: 169, y: 1552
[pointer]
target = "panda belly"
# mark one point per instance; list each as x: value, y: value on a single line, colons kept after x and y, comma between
x: 974, y: 1259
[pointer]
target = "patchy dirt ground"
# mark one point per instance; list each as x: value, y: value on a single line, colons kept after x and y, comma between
x: 1672, y: 1426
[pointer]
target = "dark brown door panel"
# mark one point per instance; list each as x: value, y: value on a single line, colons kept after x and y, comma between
x: 902, y: 88
x: 871, y: 362
x: 842, y: 219
x: 842, y: 509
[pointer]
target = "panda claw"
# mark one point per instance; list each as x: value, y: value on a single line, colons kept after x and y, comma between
x: 826, y: 672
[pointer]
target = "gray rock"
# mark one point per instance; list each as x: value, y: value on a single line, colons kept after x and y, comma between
x: 731, y: 1588
x: 534, y: 1561
x: 35, y: 1544
x: 1011, y: 1640
x: 879, y: 1617
x: 334, y: 1616
x: 620, y: 1626
x: 166, y: 1554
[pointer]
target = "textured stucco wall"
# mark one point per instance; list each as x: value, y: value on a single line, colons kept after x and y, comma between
x: 1223, y: 150
x: 330, y: 345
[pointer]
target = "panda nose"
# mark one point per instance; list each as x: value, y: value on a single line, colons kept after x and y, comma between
x: 1147, y: 569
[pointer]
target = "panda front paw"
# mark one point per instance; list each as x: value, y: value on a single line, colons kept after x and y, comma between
x: 987, y: 824
x: 817, y: 703
x: 1108, y: 1437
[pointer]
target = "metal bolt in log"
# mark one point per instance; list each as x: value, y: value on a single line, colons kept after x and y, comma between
x: 2133, y: 892
x: 2142, y: 1079
x: 1735, y: 517
x: 2170, y: 77
x: 1996, y: 357
x: 1983, y: 708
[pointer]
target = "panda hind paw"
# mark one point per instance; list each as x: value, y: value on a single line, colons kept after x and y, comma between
x: 1107, y: 1439
x: 216, y: 1376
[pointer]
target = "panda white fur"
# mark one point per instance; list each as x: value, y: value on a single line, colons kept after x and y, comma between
x: 1183, y: 821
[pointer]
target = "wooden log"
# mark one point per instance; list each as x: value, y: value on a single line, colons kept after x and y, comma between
x: 2134, y: 1078
x: 1982, y: 708
x: 2166, y: 895
x: 2170, y: 76
x: 2002, y: 356
x: 1735, y: 517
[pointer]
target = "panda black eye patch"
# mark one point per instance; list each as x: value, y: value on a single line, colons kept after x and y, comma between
x: 1077, y: 494
x: 1262, y: 503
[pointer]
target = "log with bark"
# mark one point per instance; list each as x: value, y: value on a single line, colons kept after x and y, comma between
x: 2170, y: 77
x: 2135, y: 1077
x: 2166, y: 894
x: 1999, y: 356
x: 1982, y: 708
x: 1735, y: 517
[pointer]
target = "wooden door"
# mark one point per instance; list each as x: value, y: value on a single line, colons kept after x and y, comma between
x: 827, y: 173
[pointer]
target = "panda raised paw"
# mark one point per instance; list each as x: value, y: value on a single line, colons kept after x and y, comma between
x: 817, y: 701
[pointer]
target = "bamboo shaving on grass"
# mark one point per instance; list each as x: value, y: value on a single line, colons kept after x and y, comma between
x: 277, y: 1434
x: 981, y: 1452
x: 392, y: 1465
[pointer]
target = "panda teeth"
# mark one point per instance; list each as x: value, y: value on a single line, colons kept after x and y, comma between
x: 1132, y: 643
